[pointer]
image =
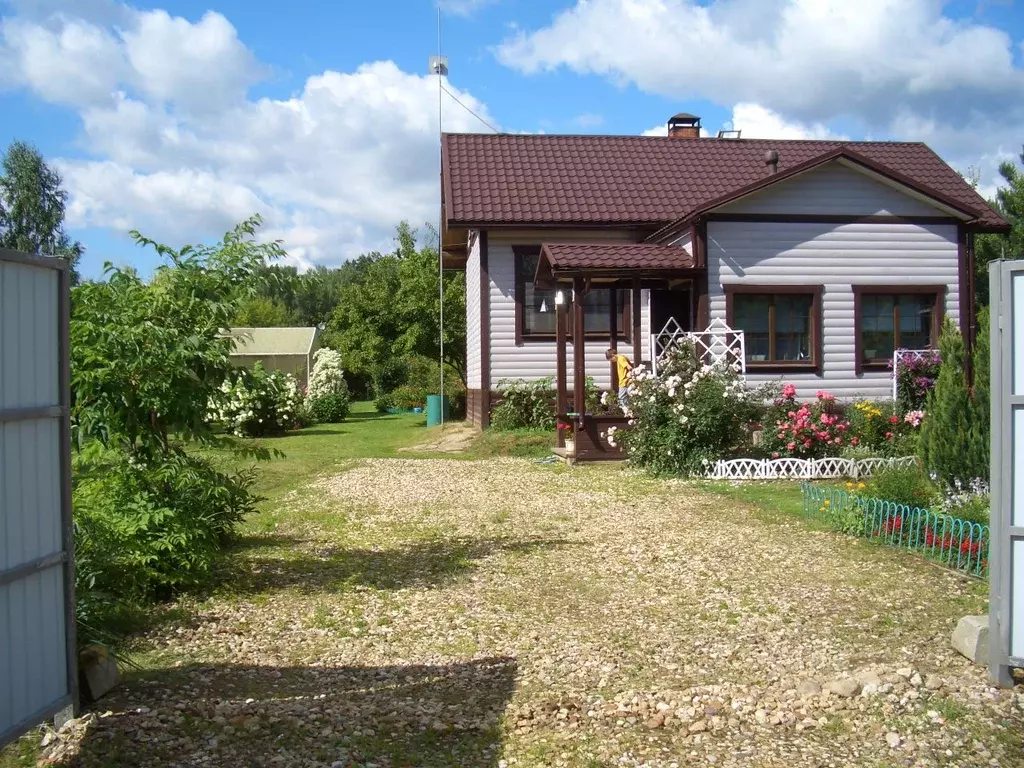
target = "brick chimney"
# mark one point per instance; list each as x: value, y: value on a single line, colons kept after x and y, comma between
x: 684, y: 126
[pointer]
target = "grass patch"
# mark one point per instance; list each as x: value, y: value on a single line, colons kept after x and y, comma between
x: 525, y: 443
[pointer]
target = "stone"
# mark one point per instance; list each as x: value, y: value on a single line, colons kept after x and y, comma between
x: 844, y: 688
x: 916, y: 680
x: 698, y: 727
x: 656, y: 722
x: 905, y: 672
x: 892, y: 739
x: 98, y: 670
x: 932, y: 682
x: 971, y: 638
x: 870, y: 677
x: 808, y: 688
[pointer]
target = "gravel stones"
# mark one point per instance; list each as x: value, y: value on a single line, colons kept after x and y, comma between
x: 449, y: 612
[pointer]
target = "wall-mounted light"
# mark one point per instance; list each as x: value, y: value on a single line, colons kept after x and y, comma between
x: 543, y: 305
x: 559, y: 299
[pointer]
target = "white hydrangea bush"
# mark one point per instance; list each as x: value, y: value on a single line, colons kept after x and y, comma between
x: 327, y: 377
x: 257, y: 402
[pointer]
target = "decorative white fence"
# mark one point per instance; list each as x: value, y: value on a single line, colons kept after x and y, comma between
x: 905, y: 354
x: 718, y: 344
x: 802, y: 469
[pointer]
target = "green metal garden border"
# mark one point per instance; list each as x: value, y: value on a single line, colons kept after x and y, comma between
x: 952, y: 541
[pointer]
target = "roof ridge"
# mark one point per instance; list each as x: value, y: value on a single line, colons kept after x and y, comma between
x: 702, y: 139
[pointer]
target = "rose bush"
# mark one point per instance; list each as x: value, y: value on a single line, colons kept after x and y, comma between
x: 805, y: 430
x: 687, y: 416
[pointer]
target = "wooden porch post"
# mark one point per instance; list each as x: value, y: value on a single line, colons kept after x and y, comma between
x: 638, y: 346
x: 613, y: 335
x: 579, y: 367
x: 561, y: 390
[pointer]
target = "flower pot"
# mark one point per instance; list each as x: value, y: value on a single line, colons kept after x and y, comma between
x: 570, y: 447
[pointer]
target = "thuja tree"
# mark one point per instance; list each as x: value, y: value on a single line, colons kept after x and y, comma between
x: 147, y: 359
x: 953, y: 436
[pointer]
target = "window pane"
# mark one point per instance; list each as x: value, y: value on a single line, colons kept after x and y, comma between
x: 538, y: 306
x: 750, y: 314
x: 793, y: 328
x: 878, y: 339
x: 916, y: 321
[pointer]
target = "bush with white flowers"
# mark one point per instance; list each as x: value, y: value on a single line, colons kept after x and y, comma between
x: 257, y: 402
x: 329, y: 399
x: 689, y: 415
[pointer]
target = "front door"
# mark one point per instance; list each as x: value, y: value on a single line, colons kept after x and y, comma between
x: 669, y: 303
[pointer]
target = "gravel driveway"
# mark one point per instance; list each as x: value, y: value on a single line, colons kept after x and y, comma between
x: 499, y: 613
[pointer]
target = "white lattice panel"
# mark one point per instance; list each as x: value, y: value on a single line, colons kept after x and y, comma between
x: 801, y: 469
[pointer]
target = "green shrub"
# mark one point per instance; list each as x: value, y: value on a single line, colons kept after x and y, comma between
x: 524, y: 405
x: 258, y: 402
x: 144, y: 530
x: 328, y: 375
x: 687, y: 416
x: 384, y: 402
x: 903, y: 485
x: 331, y: 408
x: 954, y: 438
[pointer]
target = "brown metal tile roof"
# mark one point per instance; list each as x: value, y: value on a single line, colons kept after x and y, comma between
x: 570, y: 257
x: 514, y: 179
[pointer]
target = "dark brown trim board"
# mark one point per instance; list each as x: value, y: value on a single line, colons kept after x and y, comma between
x: 775, y: 366
x: 828, y: 218
x: 860, y: 365
x: 579, y: 357
x: 965, y: 294
x: 637, y: 317
x: 485, y: 333
x: 702, y: 302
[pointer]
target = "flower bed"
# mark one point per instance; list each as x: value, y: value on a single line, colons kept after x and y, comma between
x: 952, y: 541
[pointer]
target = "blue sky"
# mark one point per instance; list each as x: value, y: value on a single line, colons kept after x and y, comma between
x: 179, y: 118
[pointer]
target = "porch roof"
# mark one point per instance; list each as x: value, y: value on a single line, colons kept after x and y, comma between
x: 566, y: 260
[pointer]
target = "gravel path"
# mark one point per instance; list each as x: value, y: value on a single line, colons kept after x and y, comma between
x: 500, y: 613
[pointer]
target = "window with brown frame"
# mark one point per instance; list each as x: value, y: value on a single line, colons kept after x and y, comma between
x: 535, y: 308
x: 780, y: 324
x: 888, y: 318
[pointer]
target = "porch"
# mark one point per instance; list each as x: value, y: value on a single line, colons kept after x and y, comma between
x: 576, y: 270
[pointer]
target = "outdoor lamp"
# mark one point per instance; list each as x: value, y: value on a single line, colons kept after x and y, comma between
x: 559, y: 298
x: 543, y: 305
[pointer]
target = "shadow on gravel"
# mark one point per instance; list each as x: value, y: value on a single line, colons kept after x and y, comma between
x: 445, y: 715
x: 424, y: 564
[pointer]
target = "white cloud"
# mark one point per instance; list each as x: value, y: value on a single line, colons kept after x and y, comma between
x: 177, y: 150
x: 661, y: 129
x: 757, y: 122
x: 809, y: 62
x: 588, y: 120
x: 463, y: 7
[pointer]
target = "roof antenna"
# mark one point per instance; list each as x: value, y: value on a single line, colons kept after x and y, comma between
x: 439, y: 67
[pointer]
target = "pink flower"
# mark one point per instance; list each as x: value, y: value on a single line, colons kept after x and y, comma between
x: 775, y: 454
x: 789, y: 392
x: 790, y: 446
x: 854, y: 441
x: 888, y: 435
x: 807, y: 443
x: 823, y: 395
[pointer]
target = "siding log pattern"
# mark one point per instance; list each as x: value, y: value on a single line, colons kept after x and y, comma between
x: 836, y: 256
x: 473, y: 316
x: 835, y: 190
x: 536, y: 359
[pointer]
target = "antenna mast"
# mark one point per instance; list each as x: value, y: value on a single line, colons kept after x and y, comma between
x: 439, y: 67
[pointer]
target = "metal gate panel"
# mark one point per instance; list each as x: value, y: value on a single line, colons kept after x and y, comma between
x: 38, y: 675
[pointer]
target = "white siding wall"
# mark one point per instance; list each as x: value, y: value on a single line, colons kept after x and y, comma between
x: 837, y: 257
x: 833, y: 189
x: 536, y: 359
x: 473, y: 377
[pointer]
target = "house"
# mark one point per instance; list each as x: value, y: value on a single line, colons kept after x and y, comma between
x: 828, y: 255
x: 279, y: 349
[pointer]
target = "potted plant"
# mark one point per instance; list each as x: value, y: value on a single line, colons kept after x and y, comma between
x: 569, y: 438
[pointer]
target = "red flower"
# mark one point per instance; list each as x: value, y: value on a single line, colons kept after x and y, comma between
x: 894, y: 420
x: 888, y: 435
